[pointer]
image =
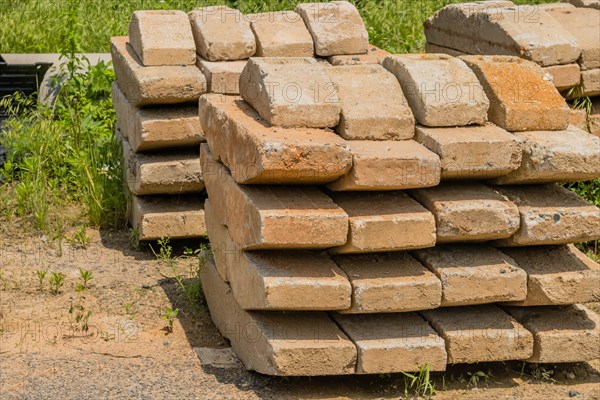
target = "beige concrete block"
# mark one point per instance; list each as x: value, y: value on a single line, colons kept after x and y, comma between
x: 480, y: 334
x: 441, y: 90
x: 291, y: 92
x: 497, y: 27
x: 162, y: 37
x: 274, y: 217
x: 578, y: 119
x: 590, y: 82
x: 393, y: 343
x: 435, y: 49
x: 557, y: 275
x: 469, y: 212
x: 336, y: 28
x: 561, y: 334
x: 158, y: 127
x: 472, y: 152
x: 556, y: 156
x: 222, y: 34
x: 551, y: 215
x: 157, y: 84
x: 270, y: 155
x: 281, y: 34
x: 374, y: 55
x: 389, y: 165
x: 474, y: 274
x: 282, y: 344
x: 594, y: 124
x: 563, y: 77
x: 164, y: 173
x: 520, y: 98
x: 373, y: 105
x: 222, y: 76
x: 389, y: 283
x: 555, y: 6
x: 384, y: 222
x: 224, y: 250
x: 175, y: 217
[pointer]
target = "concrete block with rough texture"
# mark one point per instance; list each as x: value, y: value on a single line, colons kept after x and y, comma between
x: 469, y: 212
x: 174, y: 172
x: 474, y: 274
x: 389, y: 165
x: 564, y: 76
x: 393, y: 343
x: 472, y: 152
x: 590, y: 82
x: 389, y: 283
x: 578, y: 119
x: 291, y: 92
x: 224, y: 250
x: 157, y: 84
x: 498, y: 27
x: 158, y: 127
x: 258, y: 154
x: 222, y: 76
x: 520, y: 98
x: 550, y: 215
x: 175, y: 217
x: 282, y: 344
x: 336, y: 28
x: 561, y: 334
x: 441, y: 90
x: 374, y: 55
x: 274, y: 217
x: 556, y: 156
x: 384, y: 222
x: 373, y: 105
x: 281, y: 34
x: 162, y: 37
x: 557, y: 275
x: 222, y: 34
x: 480, y: 334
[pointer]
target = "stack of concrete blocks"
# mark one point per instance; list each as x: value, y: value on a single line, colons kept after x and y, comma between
x: 560, y: 37
x: 371, y: 218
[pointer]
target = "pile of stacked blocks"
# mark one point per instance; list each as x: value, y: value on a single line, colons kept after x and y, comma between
x: 368, y: 213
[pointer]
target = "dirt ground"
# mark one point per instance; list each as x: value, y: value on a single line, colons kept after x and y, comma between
x: 127, y: 351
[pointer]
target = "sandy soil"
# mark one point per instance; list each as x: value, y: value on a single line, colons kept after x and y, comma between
x: 127, y: 352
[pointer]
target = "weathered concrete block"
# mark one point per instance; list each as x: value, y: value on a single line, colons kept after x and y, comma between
x: 474, y: 274
x: 224, y: 250
x: 578, y: 119
x: 158, y: 127
x: 441, y: 90
x: 164, y: 173
x: 222, y: 34
x: 583, y: 24
x: 389, y: 165
x: 556, y: 156
x: 291, y: 92
x: 435, y: 49
x: 281, y: 34
x: 222, y: 76
x: 498, y: 27
x: 561, y: 334
x: 175, y: 217
x: 563, y: 77
x: 393, y: 343
x: 551, y: 215
x: 520, y: 98
x: 336, y: 28
x: 555, y: 6
x: 373, y: 105
x: 590, y: 82
x: 469, y: 212
x: 274, y: 217
x: 389, y: 283
x: 162, y: 37
x: 472, y: 152
x: 374, y: 55
x: 384, y: 222
x: 157, y: 84
x: 283, y: 344
x: 480, y: 334
x: 257, y: 154
x: 557, y: 275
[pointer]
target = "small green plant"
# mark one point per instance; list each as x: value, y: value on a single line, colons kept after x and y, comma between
x: 165, y: 252
x: 86, y: 277
x: 128, y: 310
x: 420, y: 382
x: 41, y: 275
x: 56, y: 282
x: 79, y: 315
x: 541, y: 374
x: 80, y: 239
x: 170, y: 315
x: 476, y: 377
